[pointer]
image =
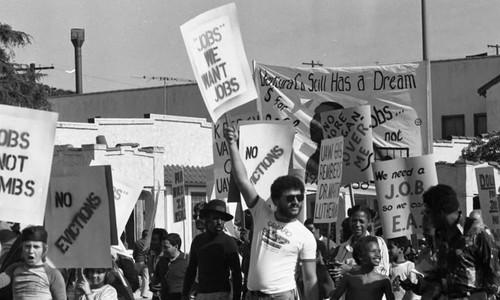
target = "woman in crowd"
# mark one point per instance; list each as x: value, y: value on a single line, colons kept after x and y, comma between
x: 93, y: 286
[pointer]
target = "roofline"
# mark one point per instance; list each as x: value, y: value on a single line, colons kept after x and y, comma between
x: 124, y: 90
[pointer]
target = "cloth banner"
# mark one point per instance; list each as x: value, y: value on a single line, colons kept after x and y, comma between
x: 400, y: 184
x: 215, y: 49
x: 396, y: 94
x: 326, y: 208
x: 26, y: 150
x: 265, y: 148
x: 79, y: 217
x: 179, y: 195
x: 486, y: 188
x: 354, y: 124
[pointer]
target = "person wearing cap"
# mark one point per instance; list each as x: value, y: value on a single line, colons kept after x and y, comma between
x: 280, y: 241
x: 33, y: 278
x: 214, y: 255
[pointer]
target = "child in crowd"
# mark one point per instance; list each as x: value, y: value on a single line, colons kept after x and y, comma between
x: 33, y: 278
x: 400, y: 267
x: 93, y: 286
x: 362, y: 282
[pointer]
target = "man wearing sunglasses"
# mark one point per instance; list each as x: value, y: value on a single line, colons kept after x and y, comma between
x: 279, y: 239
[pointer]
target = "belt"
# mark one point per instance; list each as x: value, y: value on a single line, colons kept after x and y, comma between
x: 468, y: 295
x: 258, y: 293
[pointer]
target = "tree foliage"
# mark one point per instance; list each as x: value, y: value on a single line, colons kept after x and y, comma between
x: 483, y: 148
x: 19, y: 84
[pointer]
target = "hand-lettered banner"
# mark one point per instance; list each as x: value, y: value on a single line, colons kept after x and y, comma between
x: 265, y: 148
x: 215, y: 48
x: 354, y: 124
x: 400, y: 184
x: 26, y: 150
x: 222, y: 161
x: 396, y: 94
x: 179, y: 195
x: 326, y: 208
x: 79, y: 217
x: 486, y: 188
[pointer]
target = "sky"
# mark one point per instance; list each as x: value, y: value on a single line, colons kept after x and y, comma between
x: 127, y: 40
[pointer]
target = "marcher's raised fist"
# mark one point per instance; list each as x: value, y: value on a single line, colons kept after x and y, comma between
x: 230, y: 134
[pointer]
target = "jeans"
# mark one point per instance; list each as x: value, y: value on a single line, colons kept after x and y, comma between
x: 288, y: 295
x: 214, y: 296
x: 142, y: 270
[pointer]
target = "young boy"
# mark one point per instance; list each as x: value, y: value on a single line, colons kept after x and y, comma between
x: 32, y: 278
x: 400, y: 267
x: 362, y: 282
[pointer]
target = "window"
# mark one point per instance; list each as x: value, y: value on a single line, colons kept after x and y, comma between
x: 452, y: 125
x: 480, y: 126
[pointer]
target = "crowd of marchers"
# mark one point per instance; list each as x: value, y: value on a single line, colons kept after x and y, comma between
x: 275, y: 256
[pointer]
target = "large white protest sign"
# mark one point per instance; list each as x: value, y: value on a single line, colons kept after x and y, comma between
x: 79, y: 217
x: 354, y: 124
x: 326, y: 207
x: 486, y: 187
x: 126, y: 192
x: 26, y: 150
x: 265, y: 148
x: 400, y: 184
x: 222, y: 161
x: 396, y: 94
x: 215, y: 48
x: 179, y: 195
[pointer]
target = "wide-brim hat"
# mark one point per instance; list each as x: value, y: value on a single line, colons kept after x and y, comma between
x: 218, y: 207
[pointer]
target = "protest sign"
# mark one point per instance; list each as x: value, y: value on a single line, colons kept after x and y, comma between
x: 354, y: 124
x: 26, y: 150
x: 396, y: 94
x: 222, y: 161
x: 126, y: 192
x: 265, y: 148
x: 486, y: 188
x: 215, y: 49
x: 326, y: 207
x: 79, y: 217
x: 179, y: 195
x: 400, y: 184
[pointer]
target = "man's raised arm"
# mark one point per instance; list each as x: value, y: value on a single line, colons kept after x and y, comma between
x: 238, y: 168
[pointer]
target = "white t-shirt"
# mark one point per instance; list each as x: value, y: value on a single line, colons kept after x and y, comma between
x: 276, y: 250
x: 402, y: 270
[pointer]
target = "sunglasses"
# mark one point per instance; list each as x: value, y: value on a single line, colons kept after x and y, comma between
x: 291, y: 198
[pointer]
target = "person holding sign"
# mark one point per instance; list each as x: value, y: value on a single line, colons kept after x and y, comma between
x: 93, y: 285
x: 214, y: 255
x: 360, y: 221
x: 279, y: 239
x: 33, y: 278
x: 467, y: 258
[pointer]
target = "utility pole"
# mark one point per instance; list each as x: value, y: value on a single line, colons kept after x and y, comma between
x: 312, y: 64
x: 494, y: 46
x: 32, y: 68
